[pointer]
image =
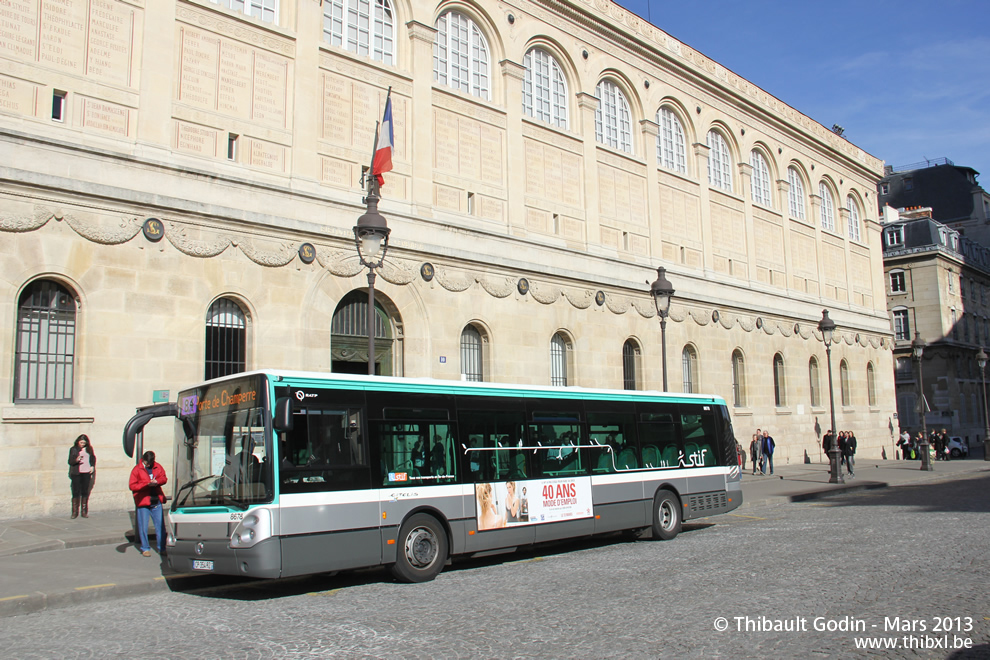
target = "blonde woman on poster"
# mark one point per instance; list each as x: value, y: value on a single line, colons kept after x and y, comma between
x: 488, y: 517
x: 511, y: 503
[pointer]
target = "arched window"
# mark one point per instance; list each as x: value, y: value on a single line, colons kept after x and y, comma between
x: 266, y: 10
x: 760, y: 181
x: 689, y: 370
x: 828, y: 207
x: 613, y: 121
x: 630, y: 365
x: 795, y: 193
x: 844, y: 382
x: 360, y: 26
x: 560, y: 357
x: 460, y: 55
x: 779, y: 386
x: 670, y: 142
x: 719, y: 162
x: 871, y: 385
x: 853, y: 209
x: 226, y: 339
x: 472, y: 354
x: 738, y: 379
x: 814, y: 382
x: 544, y: 88
x: 44, y: 367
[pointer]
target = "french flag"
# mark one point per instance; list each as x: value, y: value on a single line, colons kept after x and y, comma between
x: 382, y: 161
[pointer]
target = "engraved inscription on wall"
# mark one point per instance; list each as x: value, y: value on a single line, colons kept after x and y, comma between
x: 834, y: 262
x: 111, y: 41
x: 621, y: 195
x: 194, y: 139
x: 679, y: 217
x: 769, y: 239
x: 267, y: 155
x: 228, y: 76
x: 62, y: 35
x: 351, y: 109
x: 804, y: 256
x: 728, y: 229
x: 17, y: 96
x: 552, y: 173
x: 19, y: 29
x: 467, y: 147
x: 106, y: 117
x: 336, y: 172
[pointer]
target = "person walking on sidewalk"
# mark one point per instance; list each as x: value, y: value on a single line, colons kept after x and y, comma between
x: 754, y: 449
x: 848, y: 452
x: 767, y: 450
x: 82, y: 470
x: 146, y: 483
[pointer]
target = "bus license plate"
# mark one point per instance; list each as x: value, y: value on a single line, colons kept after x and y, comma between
x: 202, y: 565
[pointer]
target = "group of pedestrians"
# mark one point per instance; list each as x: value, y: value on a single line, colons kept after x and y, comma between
x: 761, y: 451
x: 145, y: 483
x: 938, y: 445
x: 847, y: 449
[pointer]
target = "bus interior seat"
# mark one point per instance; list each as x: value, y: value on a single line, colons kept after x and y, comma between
x: 651, y: 456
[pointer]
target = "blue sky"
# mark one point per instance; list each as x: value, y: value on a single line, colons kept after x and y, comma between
x: 907, y: 80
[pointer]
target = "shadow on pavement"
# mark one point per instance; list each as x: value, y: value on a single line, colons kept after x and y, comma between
x: 969, y: 494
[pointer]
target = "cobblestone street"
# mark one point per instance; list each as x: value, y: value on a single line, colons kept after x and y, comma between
x: 882, y: 565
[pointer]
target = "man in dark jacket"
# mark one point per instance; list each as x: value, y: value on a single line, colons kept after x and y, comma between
x: 849, y: 451
x: 768, y: 445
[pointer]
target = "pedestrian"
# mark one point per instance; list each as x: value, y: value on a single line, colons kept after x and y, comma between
x: 82, y: 473
x: 827, y: 441
x: 739, y: 455
x: 754, y: 450
x: 146, y: 483
x: 943, y: 445
x: 849, y: 452
x: 767, y: 449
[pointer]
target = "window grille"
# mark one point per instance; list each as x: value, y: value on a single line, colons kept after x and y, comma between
x: 814, y: 383
x: 670, y: 142
x: 738, y: 380
x: 795, y: 194
x: 46, y: 343
x: 689, y: 370
x: 828, y: 207
x: 471, y: 355
x: 613, y: 123
x: 226, y: 339
x: 779, y: 394
x: 719, y: 162
x: 364, y: 27
x: 629, y: 355
x: 460, y: 55
x: 760, y: 181
x: 544, y: 88
x: 558, y: 361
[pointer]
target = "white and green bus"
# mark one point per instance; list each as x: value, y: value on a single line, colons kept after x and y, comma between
x: 283, y: 473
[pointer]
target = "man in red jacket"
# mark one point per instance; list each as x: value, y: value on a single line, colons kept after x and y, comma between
x: 146, y: 484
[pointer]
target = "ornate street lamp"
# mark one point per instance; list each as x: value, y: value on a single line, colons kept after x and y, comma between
x: 827, y: 327
x: 981, y: 361
x: 918, y: 351
x: 371, y: 238
x: 662, y: 291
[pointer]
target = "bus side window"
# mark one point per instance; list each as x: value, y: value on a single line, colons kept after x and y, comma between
x: 616, y: 432
x: 698, y: 431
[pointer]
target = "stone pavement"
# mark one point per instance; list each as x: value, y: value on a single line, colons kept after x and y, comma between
x: 56, y: 562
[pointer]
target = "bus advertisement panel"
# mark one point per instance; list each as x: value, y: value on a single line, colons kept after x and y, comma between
x: 531, y: 502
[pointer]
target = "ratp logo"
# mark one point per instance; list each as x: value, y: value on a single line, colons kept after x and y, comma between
x: 302, y: 396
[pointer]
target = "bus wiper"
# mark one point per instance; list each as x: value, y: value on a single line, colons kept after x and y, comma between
x: 230, y: 498
x: 190, y: 485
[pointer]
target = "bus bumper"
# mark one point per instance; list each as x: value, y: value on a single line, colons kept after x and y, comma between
x: 263, y: 560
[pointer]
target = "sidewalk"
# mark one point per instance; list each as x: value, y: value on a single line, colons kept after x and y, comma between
x: 56, y: 562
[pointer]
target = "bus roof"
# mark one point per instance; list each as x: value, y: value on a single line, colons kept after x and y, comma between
x: 439, y: 386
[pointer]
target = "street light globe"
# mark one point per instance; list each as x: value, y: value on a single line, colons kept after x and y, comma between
x: 918, y: 346
x: 662, y: 291
x: 981, y: 359
x: 827, y: 327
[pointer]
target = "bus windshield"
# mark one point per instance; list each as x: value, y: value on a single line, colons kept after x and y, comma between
x: 222, y: 451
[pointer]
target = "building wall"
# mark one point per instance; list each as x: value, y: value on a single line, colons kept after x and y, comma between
x: 484, y: 194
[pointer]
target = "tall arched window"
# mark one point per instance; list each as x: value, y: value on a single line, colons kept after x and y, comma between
x: 44, y: 368
x: 226, y: 339
x: 630, y: 365
x: 779, y: 385
x: 670, y: 142
x: 544, y: 88
x: 560, y: 349
x: 360, y: 26
x: 871, y: 385
x: 472, y: 354
x: 719, y: 162
x: 844, y: 382
x: 460, y: 55
x: 689, y: 370
x: 738, y: 379
x: 828, y: 207
x: 266, y: 10
x: 613, y: 120
x: 814, y: 382
x: 795, y: 193
x: 853, y: 209
x: 760, y: 181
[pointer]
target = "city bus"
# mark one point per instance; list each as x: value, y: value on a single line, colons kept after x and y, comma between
x: 281, y: 473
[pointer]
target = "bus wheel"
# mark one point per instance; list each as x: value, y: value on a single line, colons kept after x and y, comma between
x: 422, y: 549
x: 666, y: 516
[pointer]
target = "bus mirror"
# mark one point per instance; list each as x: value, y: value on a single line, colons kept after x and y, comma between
x: 283, y: 414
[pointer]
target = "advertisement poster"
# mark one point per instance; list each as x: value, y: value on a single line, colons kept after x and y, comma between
x: 503, y: 504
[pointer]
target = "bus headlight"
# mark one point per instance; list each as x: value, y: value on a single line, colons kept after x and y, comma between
x: 256, y: 526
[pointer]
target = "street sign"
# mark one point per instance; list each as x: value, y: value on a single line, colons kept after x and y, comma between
x: 159, y: 396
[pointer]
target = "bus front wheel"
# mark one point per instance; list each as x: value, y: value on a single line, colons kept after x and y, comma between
x: 666, y: 515
x: 422, y: 549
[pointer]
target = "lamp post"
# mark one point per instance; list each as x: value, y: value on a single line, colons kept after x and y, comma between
x: 981, y: 361
x: 662, y: 291
x: 371, y: 238
x: 827, y: 327
x: 918, y: 351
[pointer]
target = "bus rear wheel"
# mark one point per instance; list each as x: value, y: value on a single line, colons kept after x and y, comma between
x: 422, y: 549
x: 666, y: 516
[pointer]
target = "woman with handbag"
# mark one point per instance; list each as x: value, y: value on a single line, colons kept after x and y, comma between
x: 82, y: 470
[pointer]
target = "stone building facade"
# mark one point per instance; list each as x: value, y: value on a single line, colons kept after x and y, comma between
x: 937, y: 289
x: 179, y: 181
